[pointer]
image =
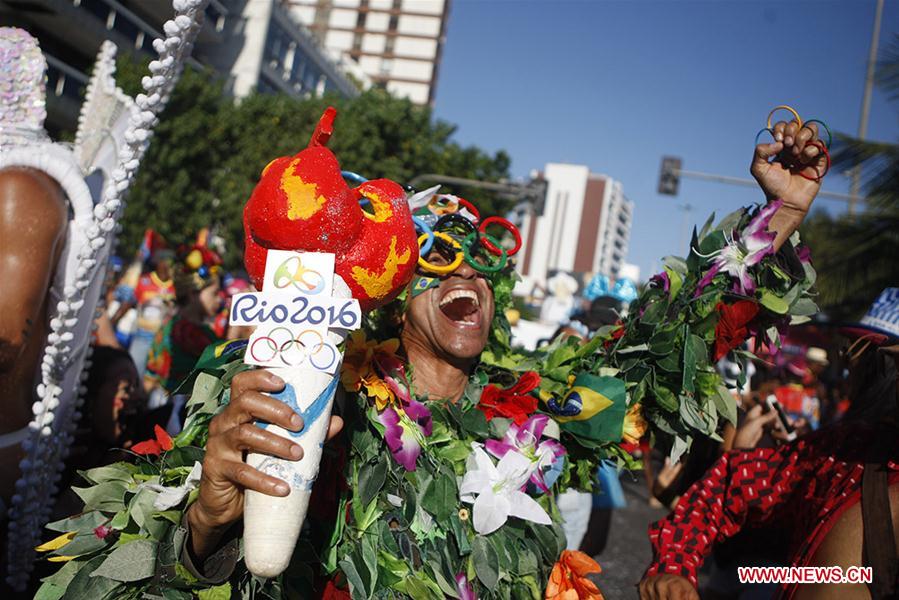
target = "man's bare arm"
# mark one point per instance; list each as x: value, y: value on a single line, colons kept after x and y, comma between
x: 779, y: 168
x: 33, y: 219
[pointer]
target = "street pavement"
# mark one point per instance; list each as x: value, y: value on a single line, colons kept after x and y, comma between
x: 627, y: 552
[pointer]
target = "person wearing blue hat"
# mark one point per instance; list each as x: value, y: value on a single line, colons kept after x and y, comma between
x: 880, y: 324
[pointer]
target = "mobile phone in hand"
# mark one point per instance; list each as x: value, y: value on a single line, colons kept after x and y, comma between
x: 774, y: 405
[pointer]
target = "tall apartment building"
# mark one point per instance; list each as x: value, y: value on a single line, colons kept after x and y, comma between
x: 584, y: 227
x: 253, y: 44
x: 396, y: 43
x: 267, y: 49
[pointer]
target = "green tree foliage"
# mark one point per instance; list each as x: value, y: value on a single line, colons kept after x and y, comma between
x: 856, y: 255
x: 855, y: 258
x: 208, y: 152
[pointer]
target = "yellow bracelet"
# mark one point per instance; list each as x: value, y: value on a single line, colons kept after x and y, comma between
x: 785, y: 107
x: 441, y: 269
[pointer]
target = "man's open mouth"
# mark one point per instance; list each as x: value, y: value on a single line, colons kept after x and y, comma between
x: 462, y: 307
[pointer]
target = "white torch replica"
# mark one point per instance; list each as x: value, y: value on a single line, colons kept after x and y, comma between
x: 302, y: 316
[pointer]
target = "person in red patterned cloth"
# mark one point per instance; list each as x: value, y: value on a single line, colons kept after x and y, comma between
x: 811, y: 488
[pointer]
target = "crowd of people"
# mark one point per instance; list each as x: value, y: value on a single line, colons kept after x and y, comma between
x: 161, y: 313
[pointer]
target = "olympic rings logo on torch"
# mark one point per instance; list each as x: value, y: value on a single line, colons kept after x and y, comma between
x: 292, y: 272
x: 293, y: 351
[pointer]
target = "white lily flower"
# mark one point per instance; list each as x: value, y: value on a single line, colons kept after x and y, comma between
x: 498, y: 489
x: 172, y: 496
x: 743, y: 250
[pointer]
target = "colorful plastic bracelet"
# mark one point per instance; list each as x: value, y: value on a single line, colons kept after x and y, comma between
x: 784, y: 107
x: 466, y: 248
x: 759, y: 134
x: 423, y: 228
x: 826, y: 128
x: 441, y: 269
x: 508, y: 226
x: 470, y: 208
x: 820, y: 145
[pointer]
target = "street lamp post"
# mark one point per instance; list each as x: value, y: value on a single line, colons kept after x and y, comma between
x: 866, y: 101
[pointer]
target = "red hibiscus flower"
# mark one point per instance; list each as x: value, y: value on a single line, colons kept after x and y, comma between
x: 163, y: 442
x: 514, y: 402
x: 616, y: 334
x: 332, y: 592
x: 732, y: 330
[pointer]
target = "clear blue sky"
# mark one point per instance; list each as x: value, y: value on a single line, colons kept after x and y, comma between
x: 616, y: 85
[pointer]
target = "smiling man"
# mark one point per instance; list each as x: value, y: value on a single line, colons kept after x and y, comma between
x: 445, y: 329
x: 446, y: 323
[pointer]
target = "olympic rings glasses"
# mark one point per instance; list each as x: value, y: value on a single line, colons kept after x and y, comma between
x: 823, y: 146
x: 475, y: 248
x: 485, y: 239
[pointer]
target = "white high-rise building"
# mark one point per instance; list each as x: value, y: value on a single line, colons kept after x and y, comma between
x: 396, y: 43
x: 584, y: 227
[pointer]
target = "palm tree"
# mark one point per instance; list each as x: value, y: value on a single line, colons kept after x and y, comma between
x: 857, y: 257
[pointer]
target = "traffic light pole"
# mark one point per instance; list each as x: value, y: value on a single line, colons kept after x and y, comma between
x: 749, y: 182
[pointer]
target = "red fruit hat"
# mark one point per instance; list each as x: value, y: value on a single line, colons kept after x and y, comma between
x: 198, y: 266
x: 302, y: 203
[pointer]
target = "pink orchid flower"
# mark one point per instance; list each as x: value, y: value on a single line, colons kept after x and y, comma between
x: 546, y: 455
